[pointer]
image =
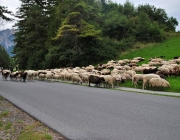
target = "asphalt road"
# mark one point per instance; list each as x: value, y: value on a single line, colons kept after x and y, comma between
x: 89, y: 113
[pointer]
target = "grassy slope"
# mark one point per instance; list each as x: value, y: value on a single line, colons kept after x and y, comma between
x: 168, y: 48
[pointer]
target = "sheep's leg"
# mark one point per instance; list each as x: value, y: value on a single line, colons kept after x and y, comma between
x: 144, y: 84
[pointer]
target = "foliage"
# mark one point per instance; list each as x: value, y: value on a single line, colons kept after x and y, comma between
x: 3, y: 12
x: 30, y: 48
x: 4, y: 58
x: 78, y: 33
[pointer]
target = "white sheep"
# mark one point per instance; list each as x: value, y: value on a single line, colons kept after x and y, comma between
x: 77, y: 79
x: 85, y: 77
x: 136, y: 78
x: 147, y: 77
x: 49, y: 76
x: 127, y: 76
x: 111, y: 80
x: 164, y: 71
x: 105, y: 71
x: 42, y: 76
x: 56, y: 76
x: 139, y: 69
x: 158, y: 82
x: 130, y: 72
x: 30, y: 75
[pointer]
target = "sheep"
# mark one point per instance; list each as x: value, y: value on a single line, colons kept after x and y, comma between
x: 67, y: 76
x: 134, y: 61
x: 77, y: 79
x: 49, y: 76
x: 23, y: 75
x: 139, y: 69
x: 164, y: 71
x: 158, y: 82
x: 111, y: 80
x: 130, y: 72
x: 145, y: 65
x: 42, y: 76
x: 5, y: 74
x: 56, y: 76
x: 127, y: 76
x: 105, y: 72
x: 121, y: 62
x: 147, y: 77
x: 136, y: 78
x: 84, y: 77
x: 154, y: 63
x: 150, y: 70
x: 126, y: 67
x: 95, y: 79
x: 139, y: 58
x: 14, y: 75
x: 30, y: 75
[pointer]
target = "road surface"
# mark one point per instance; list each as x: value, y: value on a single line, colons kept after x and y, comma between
x: 89, y: 113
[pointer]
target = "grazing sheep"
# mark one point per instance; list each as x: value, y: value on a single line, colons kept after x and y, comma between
x: 164, y: 71
x: 136, y: 78
x: 147, y: 77
x: 158, y: 82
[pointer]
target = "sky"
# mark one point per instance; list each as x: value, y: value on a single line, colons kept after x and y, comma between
x: 172, y: 8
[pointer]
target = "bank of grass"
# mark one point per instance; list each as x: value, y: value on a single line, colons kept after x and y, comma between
x: 168, y: 48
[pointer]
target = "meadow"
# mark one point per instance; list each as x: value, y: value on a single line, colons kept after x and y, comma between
x: 169, y: 48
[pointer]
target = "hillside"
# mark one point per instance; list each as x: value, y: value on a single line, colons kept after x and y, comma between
x: 169, y: 48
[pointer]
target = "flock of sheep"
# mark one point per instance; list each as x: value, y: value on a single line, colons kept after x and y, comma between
x: 108, y: 75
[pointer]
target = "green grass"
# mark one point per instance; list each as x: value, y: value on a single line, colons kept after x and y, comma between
x: 34, y: 136
x: 4, y: 114
x: 168, y: 48
x: 8, y: 126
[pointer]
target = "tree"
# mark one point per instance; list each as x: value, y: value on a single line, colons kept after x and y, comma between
x: 3, y: 11
x: 73, y: 35
x: 171, y: 24
x: 30, y: 48
x: 4, y: 58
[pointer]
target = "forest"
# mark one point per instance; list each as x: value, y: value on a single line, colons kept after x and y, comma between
x: 69, y: 33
